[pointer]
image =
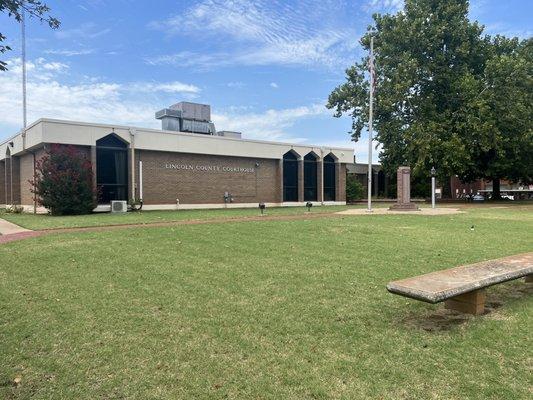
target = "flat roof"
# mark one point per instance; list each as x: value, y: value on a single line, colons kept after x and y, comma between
x: 48, y: 130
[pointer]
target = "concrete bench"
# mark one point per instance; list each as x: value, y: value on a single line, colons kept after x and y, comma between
x: 463, y: 288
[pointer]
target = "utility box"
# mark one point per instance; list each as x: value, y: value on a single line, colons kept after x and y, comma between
x: 196, y: 111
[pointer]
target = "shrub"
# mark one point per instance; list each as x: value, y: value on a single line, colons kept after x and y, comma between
x: 354, y: 189
x: 64, y: 182
x: 14, y: 209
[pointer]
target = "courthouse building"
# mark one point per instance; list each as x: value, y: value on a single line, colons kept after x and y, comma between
x: 186, y: 164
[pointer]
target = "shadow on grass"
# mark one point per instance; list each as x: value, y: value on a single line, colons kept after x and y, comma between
x: 439, y: 319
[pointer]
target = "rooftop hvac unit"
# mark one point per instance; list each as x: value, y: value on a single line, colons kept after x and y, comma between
x: 119, y: 206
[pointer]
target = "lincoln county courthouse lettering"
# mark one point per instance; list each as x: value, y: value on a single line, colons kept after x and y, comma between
x: 186, y: 164
x: 208, y: 168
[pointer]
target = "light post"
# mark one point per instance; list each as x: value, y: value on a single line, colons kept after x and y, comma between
x: 433, y: 173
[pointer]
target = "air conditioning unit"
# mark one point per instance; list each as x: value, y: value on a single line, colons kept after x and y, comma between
x: 119, y: 206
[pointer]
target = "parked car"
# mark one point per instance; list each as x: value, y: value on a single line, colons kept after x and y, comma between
x: 478, y: 197
x: 507, y: 196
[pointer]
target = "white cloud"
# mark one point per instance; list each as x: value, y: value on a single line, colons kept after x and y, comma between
x: 93, y: 100
x: 134, y: 103
x: 237, y: 84
x: 69, y: 53
x: 385, y: 5
x: 360, y: 148
x: 167, y: 87
x: 53, y: 66
x: 274, y: 85
x: 87, y: 31
x: 261, y: 33
x: 270, y: 124
x: 506, y: 30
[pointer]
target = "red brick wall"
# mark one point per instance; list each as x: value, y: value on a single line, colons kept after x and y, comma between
x: 165, y: 179
x: 2, y: 182
x: 457, y: 187
x: 15, y: 166
x: 340, y: 188
x: 26, y: 174
x: 203, y: 181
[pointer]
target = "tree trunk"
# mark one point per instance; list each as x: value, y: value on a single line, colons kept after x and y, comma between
x: 496, y: 195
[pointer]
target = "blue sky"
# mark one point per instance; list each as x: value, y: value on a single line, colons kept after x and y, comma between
x: 265, y: 66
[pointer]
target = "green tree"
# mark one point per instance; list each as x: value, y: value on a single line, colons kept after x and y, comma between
x: 354, y: 188
x: 64, y: 182
x: 433, y: 67
x: 505, y: 148
x: 34, y: 8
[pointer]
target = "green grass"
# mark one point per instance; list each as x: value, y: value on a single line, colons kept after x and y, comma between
x: 44, y: 221
x: 266, y: 310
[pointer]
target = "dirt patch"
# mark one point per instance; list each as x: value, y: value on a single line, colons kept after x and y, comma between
x: 258, y: 218
x: 20, y: 236
x: 443, y: 320
x: 438, y: 320
x: 386, y: 211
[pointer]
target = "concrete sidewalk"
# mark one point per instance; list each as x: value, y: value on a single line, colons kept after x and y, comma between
x: 386, y: 211
x: 8, y: 228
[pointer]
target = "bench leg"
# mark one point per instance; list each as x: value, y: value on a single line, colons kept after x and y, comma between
x: 529, y: 279
x: 470, y: 303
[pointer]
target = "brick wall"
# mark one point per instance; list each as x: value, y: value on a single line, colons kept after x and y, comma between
x: 15, y: 165
x: 203, y: 179
x: 191, y: 178
x: 2, y: 182
x: 459, y: 189
x: 340, y: 186
x: 26, y: 175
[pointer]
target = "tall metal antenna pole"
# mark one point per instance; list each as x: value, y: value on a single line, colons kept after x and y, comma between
x: 370, y: 123
x: 24, y: 112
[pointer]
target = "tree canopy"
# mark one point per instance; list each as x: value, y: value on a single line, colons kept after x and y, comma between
x: 446, y: 94
x: 34, y: 8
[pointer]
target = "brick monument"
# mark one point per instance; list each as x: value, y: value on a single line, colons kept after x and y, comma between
x: 403, y: 202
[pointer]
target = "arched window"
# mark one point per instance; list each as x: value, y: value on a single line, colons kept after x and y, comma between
x: 310, y: 177
x: 111, y: 169
x: 329, y: 178
x: 8, y: 177
x: 290, y: 176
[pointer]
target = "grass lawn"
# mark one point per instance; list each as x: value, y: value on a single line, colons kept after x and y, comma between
x: 263, y: 310
x: 44, y: 221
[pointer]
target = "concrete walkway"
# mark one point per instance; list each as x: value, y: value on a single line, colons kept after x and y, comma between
x: 386, y: 211
x: 10, y: 232
x: 8, y: 228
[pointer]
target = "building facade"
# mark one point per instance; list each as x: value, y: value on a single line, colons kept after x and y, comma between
x: 380, y: 180
x: 169, y: 169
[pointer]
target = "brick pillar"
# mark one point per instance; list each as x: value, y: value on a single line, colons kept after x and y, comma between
x: 320, y: 180
x: 2, y: 182
x: 341, y: 183
x: 280, y: 180
x: 8, y: 180
x: 15, y: 182
x: 93, y: 165
x: 301, y: 180
x: 131, y: 172
x: 471, y: 303
x: 339, y: 179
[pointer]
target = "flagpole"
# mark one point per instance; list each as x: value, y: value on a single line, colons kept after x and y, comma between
x: 370, y: 123
x: 23, y: 32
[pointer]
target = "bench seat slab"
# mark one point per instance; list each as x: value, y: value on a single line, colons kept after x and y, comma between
x: 446, y: 284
